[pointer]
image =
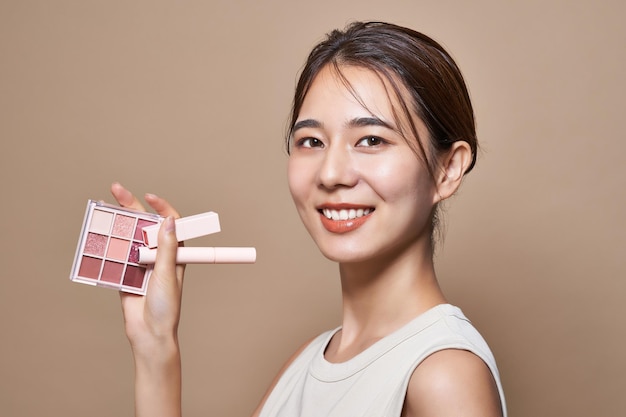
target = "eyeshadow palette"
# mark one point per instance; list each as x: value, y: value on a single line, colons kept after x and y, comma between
x: 107, y: 254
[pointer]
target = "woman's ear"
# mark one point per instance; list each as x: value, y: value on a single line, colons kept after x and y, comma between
x: 453, y: 165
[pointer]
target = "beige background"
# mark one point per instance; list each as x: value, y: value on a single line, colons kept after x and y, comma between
x: 189, y: 100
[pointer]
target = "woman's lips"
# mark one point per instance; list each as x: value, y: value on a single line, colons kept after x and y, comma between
x: 344, y: 219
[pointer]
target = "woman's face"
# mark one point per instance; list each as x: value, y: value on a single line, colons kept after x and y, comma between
x: 359, y: 188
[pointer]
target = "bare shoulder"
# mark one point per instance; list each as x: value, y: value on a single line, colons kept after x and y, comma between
x: 452, y: 382
x: 279, y: 374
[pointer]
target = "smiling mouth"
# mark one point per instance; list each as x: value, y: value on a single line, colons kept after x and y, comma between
x: 345, y: 214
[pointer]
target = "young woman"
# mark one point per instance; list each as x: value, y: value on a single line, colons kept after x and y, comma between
x: 382, y: 131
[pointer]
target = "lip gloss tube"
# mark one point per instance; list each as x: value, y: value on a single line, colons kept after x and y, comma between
x: 206, y: 255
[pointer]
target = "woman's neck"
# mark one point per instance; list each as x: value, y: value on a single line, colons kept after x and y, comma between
x: 379, y: 297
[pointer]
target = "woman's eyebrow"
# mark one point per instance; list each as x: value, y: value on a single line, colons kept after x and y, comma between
x: 311, y: 123
x: 356, y: 122
x: 368, y: 121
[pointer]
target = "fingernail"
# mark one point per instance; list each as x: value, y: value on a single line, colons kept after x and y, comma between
x: 150, y: 196
x: 169, y: 224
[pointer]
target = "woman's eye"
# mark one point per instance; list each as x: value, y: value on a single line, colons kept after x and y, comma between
x: 310, y: 143
x: 370, y: 141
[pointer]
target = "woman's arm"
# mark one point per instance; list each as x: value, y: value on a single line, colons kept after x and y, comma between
x: 151, y: 321
x: 452, y: 382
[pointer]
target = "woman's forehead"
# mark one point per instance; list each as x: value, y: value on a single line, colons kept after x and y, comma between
x: 360, y: 89
x: 371, y: 93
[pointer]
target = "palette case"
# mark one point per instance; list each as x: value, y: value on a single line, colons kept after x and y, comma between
x: 107, y: 253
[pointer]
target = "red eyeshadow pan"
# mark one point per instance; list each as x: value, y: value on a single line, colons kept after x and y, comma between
x: 134, y: 276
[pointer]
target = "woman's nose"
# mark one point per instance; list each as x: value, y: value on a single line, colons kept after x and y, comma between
x: 337, y: 168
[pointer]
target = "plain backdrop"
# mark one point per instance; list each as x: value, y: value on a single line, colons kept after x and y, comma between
x: 189, y: 100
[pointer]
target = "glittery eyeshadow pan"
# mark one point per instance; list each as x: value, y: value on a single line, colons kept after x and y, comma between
x: 124, y: 226
x: 107, y: 252
x: 96, y: 244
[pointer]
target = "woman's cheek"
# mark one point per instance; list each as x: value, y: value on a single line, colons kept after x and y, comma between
x: 297, y: 179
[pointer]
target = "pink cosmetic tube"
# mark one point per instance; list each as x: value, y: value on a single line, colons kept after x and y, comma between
x: 186, y: 228
x: 208, y: 255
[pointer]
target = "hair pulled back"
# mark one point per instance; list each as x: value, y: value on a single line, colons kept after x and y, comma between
x: 438, y: 94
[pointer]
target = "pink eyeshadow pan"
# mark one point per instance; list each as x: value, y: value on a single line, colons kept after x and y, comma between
x: 112, y: 272
x: 95, y: 244
x: 123, y: 226
x: 90, y: 267
x: 118, y: 249
x: 133, y: 256
x: 140, y: 225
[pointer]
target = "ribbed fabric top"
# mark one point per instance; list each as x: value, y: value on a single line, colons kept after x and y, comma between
x: 374, y: 382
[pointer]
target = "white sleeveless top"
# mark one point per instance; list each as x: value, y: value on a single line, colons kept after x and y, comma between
x: 373, y: 383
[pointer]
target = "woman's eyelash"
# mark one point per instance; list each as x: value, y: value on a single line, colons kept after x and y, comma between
x: 309, y: 142
x: 371, y: 141
x: 366, y: 141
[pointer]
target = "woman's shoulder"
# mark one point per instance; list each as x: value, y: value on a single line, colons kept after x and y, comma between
x: 452, y: 382
x: 457, y: 375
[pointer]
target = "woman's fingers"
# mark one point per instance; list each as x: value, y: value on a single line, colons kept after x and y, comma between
x: 165, y: 265
x: 161, y: 206
x: 125, y: 198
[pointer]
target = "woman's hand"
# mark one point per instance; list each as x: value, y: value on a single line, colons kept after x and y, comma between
x: 151, y: 321
x: 154, y: 317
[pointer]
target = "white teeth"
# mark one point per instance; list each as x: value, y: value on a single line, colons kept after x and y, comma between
x: 345, y: 214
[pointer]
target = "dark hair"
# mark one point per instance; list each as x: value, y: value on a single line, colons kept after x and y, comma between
x: 425, y: 70
x: 429, y: 74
